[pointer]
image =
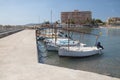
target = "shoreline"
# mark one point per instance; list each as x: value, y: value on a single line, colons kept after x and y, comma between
x: 108, y: 26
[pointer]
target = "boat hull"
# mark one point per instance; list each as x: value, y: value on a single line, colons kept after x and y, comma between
x: 79, y: 52
x: 52, y: 48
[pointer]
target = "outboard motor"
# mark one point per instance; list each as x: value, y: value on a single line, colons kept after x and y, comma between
x: 99, y: 45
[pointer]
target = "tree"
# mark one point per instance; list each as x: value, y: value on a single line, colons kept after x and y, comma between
x: 98, y: 21
x: 93, y: 22
x: 47, y: 22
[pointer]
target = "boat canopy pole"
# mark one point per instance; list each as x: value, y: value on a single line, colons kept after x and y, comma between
x: 96, y: 40
x: 79, y: 42
x: 55, y: 32
x: 68, y: 30
x: 100, y: 33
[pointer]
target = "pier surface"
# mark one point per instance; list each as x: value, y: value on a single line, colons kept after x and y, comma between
x: 19, y: 61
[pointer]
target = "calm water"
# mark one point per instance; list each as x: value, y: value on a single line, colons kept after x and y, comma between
x: 107, y: 63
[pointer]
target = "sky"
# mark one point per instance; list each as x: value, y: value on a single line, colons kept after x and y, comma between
x: 20, y: 12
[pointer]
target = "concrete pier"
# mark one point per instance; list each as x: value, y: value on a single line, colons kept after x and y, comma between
x: 19, y: 61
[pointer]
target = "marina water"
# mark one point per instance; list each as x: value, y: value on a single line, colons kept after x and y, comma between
x: 107, y: 64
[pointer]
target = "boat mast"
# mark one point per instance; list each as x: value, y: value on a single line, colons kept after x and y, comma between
x: 56, y: 23
x: 51, y: 24
x: 68, y: 30
x: 39, y: 20
x: 79, y: 40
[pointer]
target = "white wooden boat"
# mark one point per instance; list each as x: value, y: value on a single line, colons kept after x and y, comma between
x: 53, y: 45
x: 75, y: 51
x: 61, y: 41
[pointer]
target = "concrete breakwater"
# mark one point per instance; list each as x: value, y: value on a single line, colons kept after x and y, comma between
x: 7, y: 30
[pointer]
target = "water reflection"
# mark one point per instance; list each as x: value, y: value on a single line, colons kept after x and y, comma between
x: 113, y: 32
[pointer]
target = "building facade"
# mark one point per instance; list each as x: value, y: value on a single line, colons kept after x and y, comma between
x: 113, y: 20
x: 76, y: 17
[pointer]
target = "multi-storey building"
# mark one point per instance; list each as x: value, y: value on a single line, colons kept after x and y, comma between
x: 76, y: 17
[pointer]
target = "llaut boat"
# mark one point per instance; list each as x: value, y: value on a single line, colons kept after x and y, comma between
x: 53, y: 45
x: 75, y: 51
